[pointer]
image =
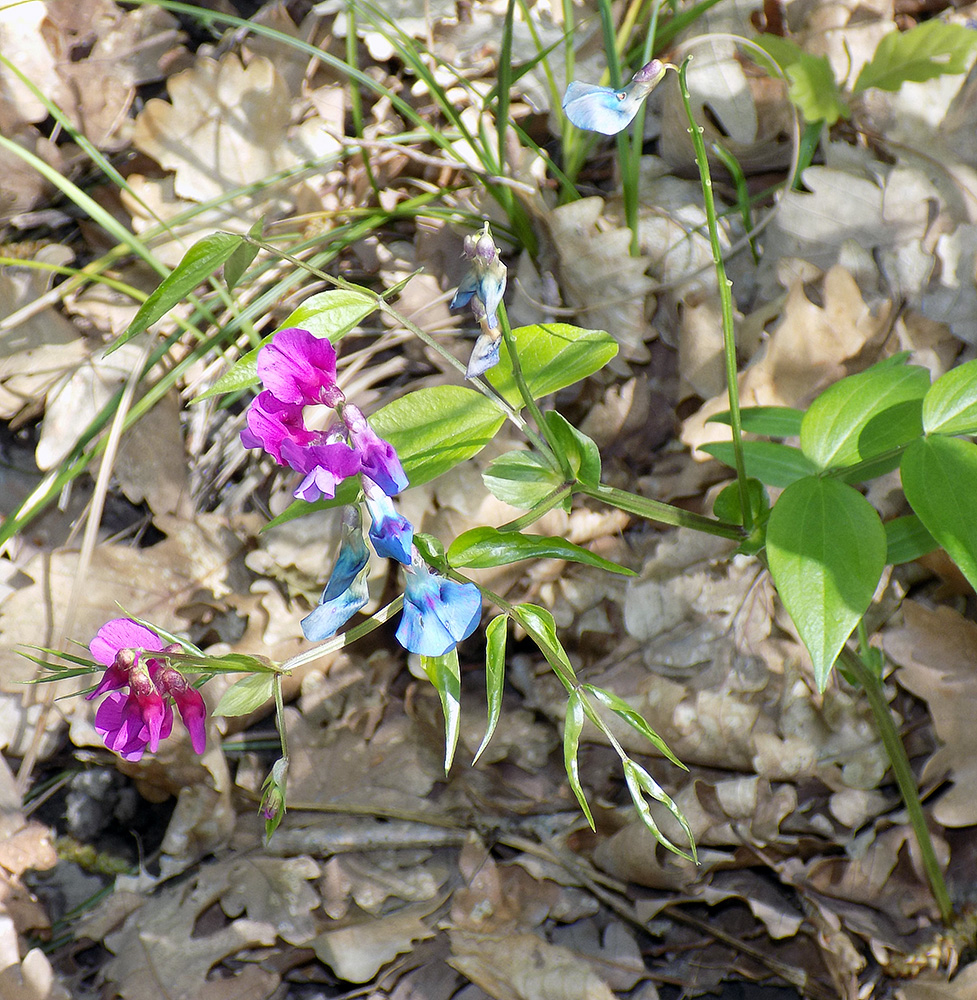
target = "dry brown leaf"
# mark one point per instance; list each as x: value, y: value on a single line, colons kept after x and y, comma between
x: 358, y: 951
x: 226, y: 126
x: 934, y: 986
x: 599, y: 277
x: 275, y: 891
x: 524, y: 967
x: 160, y: 951
x: 936, y: 650
x: 805, y: 353
x: 35, y: 354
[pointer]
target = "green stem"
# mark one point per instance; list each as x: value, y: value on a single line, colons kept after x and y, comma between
x: 725, y: 296
x: 664, y: 513
x: 550, y: 450
x: 902, y: 772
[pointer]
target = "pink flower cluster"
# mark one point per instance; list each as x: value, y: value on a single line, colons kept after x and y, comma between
x: 130, y: 723
x: 298, y: 369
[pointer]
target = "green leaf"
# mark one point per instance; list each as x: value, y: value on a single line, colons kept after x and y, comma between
x: 939, y: 477
x: 495, y: 637
x: 864, y: 415
x: 641, y: 783
x: 480, y: 548
x: 552, y: 356
x: 906, y: 540
x: 770, y: 421
x: 521, y: 479
x: 243, y: 257
x: 634, y: 719
x: 247, y: 695
x: 826, y: 549
x: 432, y: 430
x: 727, y: 505
x: 198, y: 264
x: 950, y: 406
x: 812, y: 85
x: 445, y: 674
x: 329, y: 315
x: 572, y: 727
x: 541, y: 627
x: 580, y: 451
x: 929, y: 50
x: 769, y: 461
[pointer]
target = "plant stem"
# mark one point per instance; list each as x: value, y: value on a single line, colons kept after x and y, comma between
x: 902, y: 772
x: 664, y: 513
x: 725, y: 296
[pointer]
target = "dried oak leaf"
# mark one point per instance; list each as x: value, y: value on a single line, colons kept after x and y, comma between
x: 162, y: 950
x: 936, y: 650
x: 226, y: 125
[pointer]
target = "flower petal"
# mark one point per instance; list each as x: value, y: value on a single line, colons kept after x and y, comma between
x: 121, y: 633
x: 438, y: 612
x: 298, y: 367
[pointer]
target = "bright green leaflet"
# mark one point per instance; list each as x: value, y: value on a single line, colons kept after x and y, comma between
x: 826, y: 550
x: 939, y: 477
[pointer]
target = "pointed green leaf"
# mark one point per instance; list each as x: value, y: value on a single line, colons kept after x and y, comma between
x: 770, y: 421
x: 521, y: 479
x: 445, y: 674
x: 432, y: 429
x: 769, y: 461
x: 634, y: 719
x: 950, y: 406
x: 247, y: 695
x: 198, y: 264
x: 329, y: 315
x: 572, y: 727
x: 541, y: 626
x: 813, y: 88
x: 243, y: 257
x: 926, y: 51
x: 864, y: 415
x: 641, y: 783
x: 495, y: 637
x: 906, y: 539
x: 727, y: 505
x: 480, y: 548
x: 553, y: 356
x: 939, y: 476
x: 580, y: 450
x: 826, y: 549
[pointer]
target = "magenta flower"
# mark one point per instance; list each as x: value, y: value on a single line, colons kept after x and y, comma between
x: 378, y: 458
x: 300, y: 368
x: 271, y: 423
x: 119, y: 722
x: 134, y: 722
x: 324, y: 467
x: 189, y: 701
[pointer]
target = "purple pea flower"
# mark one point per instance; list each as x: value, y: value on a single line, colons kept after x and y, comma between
x: 300, y: 368
x: 119, y: 722
x: 271, y: 423
x: 324, y: 467
x: 346, y: 592
x: 438, y: 612
x: 377, y: 457
x: 391, y: 533
x: 484, y: 284
x: 134, y: 722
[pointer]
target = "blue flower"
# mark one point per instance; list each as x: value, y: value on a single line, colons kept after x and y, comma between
x: 485, y: 353
x: 606, y: 110
x: 391, y: 533
x: 346, y: 592
x: 438, y: 613
x: 485, y: 282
